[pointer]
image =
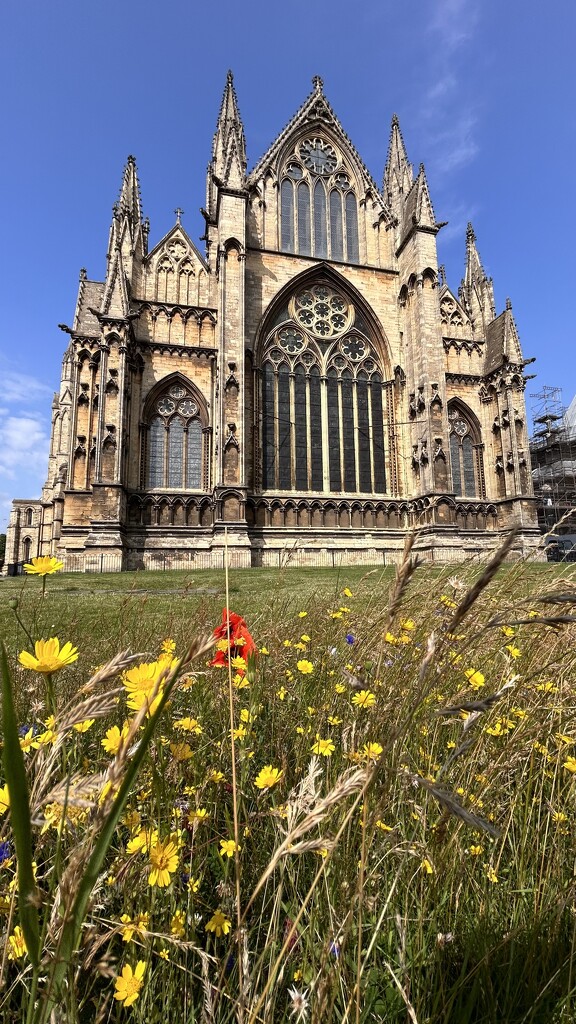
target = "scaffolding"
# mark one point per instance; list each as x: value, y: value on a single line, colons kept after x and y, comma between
x: 553, y: 460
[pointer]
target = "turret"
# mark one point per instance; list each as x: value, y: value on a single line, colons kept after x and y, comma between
x: 476, y: 291
x: 398, y: 174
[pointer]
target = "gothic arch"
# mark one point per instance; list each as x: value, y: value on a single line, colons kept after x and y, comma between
x: 174, y: 436
x: 466, y: 450
x: 321, y: 367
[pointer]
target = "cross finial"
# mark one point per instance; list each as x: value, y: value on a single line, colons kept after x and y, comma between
x: 317, y: 83
x: 178, y: 213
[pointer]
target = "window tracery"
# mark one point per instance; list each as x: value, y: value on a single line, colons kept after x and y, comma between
x: 175, y: 441
x: 323, y: 400
x: 318, y: 204
x: 466, y: 454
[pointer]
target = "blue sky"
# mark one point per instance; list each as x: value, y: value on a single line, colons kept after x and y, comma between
x: 485, y: 93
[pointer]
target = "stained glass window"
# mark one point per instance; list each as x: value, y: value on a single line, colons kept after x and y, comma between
x: 175, y: 443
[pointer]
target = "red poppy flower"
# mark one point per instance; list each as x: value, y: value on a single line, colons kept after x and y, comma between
x: 233, y: 629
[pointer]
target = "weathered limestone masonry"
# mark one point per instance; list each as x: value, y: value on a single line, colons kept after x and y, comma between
x: 311, y: 385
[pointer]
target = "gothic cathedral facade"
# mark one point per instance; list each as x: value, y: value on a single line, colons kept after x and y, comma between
x: 307, y: 389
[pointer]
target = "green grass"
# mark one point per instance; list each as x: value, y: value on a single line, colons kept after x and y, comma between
x: 446, y: 894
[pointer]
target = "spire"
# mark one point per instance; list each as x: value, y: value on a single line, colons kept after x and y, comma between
x: 229, y: 146
x: 128, y: 240
x: 398, y: 175
x: 477, y: 290
x: 128, y: 204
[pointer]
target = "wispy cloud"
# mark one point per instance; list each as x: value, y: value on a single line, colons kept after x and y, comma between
x: 454, y: 21
x: 455, y: 145
x: 24, y: 443
x: 21, y: 388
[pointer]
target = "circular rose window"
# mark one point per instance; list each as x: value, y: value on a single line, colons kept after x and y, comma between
x: 322, y: 311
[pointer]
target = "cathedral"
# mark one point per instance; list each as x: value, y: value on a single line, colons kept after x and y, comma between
x: 303, y: 390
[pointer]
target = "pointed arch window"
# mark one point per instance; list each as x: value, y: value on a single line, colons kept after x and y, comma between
x: 466, y: 453
x: 323, y: 400
x: 318, y: 208
x: 174, y: 441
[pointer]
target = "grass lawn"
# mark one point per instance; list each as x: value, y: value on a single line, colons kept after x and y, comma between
x: 371, y: 818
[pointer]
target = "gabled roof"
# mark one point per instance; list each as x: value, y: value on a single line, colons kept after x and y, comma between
x: 177, y: 231
x: 89, y: 297
x: 315, y: 112
x: 502, y: 341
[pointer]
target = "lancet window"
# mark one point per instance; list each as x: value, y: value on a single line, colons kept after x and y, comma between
x: 174, y: 441
x: 323, y: 399
x: 318, y: 204
x: 465, y: 454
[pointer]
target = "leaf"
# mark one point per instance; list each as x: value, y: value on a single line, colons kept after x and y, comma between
x: 20, y: 814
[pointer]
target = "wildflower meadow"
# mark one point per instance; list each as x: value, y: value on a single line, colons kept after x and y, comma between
x: 302, y: 795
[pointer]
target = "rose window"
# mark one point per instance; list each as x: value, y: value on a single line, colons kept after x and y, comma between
x: 291, y: 340
x: 322, y: 311
x: 166, y: 406
x: 354, y: 348
x: 188, y: 407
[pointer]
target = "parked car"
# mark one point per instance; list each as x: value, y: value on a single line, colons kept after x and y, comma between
x: 560, y: 549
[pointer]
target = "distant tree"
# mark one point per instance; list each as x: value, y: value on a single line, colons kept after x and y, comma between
x: 2, y: 548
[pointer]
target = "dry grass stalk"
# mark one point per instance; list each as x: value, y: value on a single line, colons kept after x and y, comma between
x: 453, y: 806
x: 473, y: 593
x: 404, y: 573
x: 97, y: 705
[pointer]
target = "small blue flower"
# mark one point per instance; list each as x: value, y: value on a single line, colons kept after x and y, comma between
x: 335, y: 948
x: 350, y: 638
x: 23, y: 729
x: 5, y: 852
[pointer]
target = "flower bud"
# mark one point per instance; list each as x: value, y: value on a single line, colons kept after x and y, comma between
x: 13, y: 603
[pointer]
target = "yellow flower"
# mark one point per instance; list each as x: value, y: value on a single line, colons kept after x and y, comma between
x: 305, y: 667
x: 389, y: 638
x: 427, y: 866
x: 324, y: 747
x: 476, y: 679
x: 181, y: 751
x: 570, y: 764
x: 383, y: 826
x: 164, y: 862
x: 245, y: 715
x: 508, y: 631
x: 475, y: 851
x: 164, y: 954
x: 219, y: 924
x: 305, y: 638
x: 302, y: 615
x: 299, y: 646
x: 336, y: 615
x: 114, y: 739
x: 168, y: 646
x: 547, y: 687
x: 264, y: 650
x: 372, y: 751
x: 84, y: 726
x: 491, y: 875
x: 16, y: 945
x: 143, y: 842
x: 193, y: 884
x: 281, y: 693
x: 138, y: 926
x: 27, y: 742
x: 268, y: 777
x: 188, y: 725
x: 514, y: 651
x: 129, y: 983
x: 334, y: 720
x: 4, y: 799
x: 200, y: 814
x: 178, y: 924
x: 408, y: 625
x: 43, y: 566
x: 347, y: 593
x: 340, y: 688
x: 287, y: 643
x: 216, y: 776
x: 240, y: 682
x: 364, y: 699
x: 49, y: 656
x: 238, y: 663
x: 228, y: 847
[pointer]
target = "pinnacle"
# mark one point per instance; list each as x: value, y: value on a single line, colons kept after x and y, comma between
x: 470, y: 236
x: 317, y: 83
